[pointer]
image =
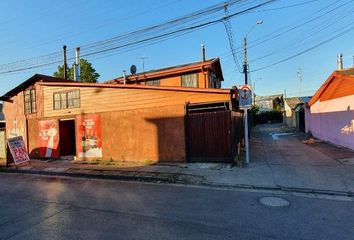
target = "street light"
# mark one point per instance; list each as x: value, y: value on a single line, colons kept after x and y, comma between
x: 245, y: 65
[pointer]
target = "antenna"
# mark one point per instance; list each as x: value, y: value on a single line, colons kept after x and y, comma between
x: 143, y: 58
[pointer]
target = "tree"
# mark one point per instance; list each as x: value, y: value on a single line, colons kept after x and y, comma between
x: 87, y: 73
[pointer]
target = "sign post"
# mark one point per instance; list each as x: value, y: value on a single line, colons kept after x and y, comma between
x: 18, y: 150
x: 245, y: 103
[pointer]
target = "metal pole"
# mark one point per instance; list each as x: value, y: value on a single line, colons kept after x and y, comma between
x: 77, y: 64
x: 65, y: 66
x: 245, y: 70
x: 246, y: 137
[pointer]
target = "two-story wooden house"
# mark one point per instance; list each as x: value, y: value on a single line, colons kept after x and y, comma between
x: 204, y: 74
x: 129, y: 122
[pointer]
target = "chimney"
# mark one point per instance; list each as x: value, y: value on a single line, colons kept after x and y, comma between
x: 203, y: 53
x: 77, y: 65
x: 124, y: 77
x: 340, y: 62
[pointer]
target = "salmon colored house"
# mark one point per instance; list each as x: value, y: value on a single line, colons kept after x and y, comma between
x: 330, y: 112
x: 132, y: 122
x: 204, y: 74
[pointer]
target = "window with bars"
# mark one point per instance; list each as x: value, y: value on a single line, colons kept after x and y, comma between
x: 68, y: 99
x: 30, y: 101
x: 190, y: 80
x: 155, y: 82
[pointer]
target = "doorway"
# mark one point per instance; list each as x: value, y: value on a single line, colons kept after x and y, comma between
x: 67, y: 143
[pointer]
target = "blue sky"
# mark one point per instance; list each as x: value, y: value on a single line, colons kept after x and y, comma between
x: 35, y: 28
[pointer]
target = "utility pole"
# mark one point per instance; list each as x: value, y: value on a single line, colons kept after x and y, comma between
x: 65, y: 66
x: 245, y: 70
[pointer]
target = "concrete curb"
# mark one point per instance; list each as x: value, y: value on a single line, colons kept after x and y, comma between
x: 172, y: 178
x: 177, y: 178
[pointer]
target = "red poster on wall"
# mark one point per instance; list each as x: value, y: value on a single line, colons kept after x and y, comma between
x: 48, y: 138
x: 89, y: 136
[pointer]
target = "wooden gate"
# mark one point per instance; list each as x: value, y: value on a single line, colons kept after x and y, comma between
x: 208, y: 136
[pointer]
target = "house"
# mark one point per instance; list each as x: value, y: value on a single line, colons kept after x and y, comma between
x: 293, y: 114
x: 204, y: 74
x: 2, y: 134
x: 330, y: 112
x: 128, y: 122
x: 269, y: 103
x: 2, y: 119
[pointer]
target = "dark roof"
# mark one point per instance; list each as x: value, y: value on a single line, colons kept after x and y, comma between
x: 347, y: 72
x: 269, y: 97
x: 32, y: 80
x: 173, y: 70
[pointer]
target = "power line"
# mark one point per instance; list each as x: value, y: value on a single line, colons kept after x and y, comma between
x: 131, y: 43
x: 308, y: 49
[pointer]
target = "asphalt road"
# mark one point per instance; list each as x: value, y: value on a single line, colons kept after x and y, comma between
x: 34, y: 207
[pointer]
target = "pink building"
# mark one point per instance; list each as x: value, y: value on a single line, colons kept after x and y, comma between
x: 330, y: 112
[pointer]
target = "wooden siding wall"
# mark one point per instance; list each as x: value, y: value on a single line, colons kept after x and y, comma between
x: 15, y: 117
x: 94, y: 100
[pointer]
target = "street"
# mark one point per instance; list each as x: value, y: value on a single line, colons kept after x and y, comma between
x: 38, y: 207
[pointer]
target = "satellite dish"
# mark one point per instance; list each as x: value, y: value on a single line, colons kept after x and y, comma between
x: 133, y: 69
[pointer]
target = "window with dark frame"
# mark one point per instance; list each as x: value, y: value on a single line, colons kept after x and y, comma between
x: 155, y: 82
x: 30, y: 101
x: 68, y: 99
x: 190, y: 80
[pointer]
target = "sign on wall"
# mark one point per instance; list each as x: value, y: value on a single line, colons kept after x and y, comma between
x: 89, y: 136
x: 245, y: 96
x: 48, y: 138
x: 18, y: 150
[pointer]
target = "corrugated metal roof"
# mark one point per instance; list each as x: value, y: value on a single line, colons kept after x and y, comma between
x: 339, y: 84
x: 292, y: 102
x: 132, y: 86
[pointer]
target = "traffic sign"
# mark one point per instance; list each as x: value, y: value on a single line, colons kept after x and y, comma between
x: 245, y: 96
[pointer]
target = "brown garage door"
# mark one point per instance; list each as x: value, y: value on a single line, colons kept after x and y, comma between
x: 208, y: 136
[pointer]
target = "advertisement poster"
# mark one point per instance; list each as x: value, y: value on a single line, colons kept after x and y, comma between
x: 89, y: 136
x: 48, y: 138
x: 18, y: 150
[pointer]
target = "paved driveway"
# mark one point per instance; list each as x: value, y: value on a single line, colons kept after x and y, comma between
x: 292, y: 163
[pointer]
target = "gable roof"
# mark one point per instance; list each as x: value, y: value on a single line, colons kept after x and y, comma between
x: 338, y: 84
x: 174, y: 70
x: 292, y: 102
x: 32, y: 80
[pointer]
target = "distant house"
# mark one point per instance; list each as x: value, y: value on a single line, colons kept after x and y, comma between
x: 330, y: 112
x: 2, y: 134
x: 2, y: 119
x: 293, y: 114
x: 269, y: 103
x: 204, y: 74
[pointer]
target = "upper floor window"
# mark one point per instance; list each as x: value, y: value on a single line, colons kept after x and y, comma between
x: 30, y: 101
x: 155, y: 82
x: 190, y: 80
x: 68, y: 99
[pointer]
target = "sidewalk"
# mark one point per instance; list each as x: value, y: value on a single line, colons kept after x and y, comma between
x: 278, y: 162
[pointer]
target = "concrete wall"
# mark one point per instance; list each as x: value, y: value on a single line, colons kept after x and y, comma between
x: 289, y: 117
x: 333, y: 121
